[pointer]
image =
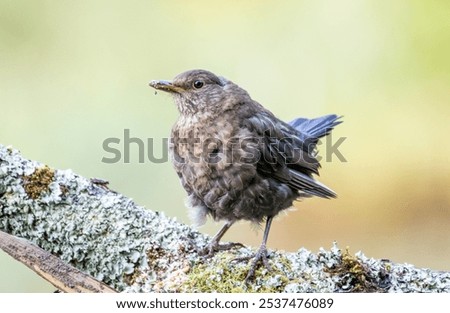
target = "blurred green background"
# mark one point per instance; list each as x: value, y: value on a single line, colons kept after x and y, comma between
x: 73, y: 73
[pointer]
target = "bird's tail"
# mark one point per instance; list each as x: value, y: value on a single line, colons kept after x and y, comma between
x: 316, y: 127
x: 313, y: 129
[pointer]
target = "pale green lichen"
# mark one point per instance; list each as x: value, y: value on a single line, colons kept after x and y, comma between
x: 97, y: 230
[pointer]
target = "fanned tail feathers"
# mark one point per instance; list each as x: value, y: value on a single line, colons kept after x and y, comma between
x: 310, y: 132
x: 313, y: 129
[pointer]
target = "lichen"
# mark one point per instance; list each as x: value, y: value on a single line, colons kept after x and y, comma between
x: 91, y: 227
x: 64, y: 189
x: 159, y: 260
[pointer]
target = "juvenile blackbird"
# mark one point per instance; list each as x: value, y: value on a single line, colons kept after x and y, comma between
x: 235, y: 159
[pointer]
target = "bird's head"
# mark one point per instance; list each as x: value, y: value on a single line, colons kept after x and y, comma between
x: 198, y: 91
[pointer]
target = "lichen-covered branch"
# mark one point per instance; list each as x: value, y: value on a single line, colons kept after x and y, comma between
x: 61, y: 275
x: 131, y: 248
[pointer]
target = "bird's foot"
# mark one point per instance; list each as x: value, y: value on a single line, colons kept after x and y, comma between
x: 214, y: 246
x: 260, y: 256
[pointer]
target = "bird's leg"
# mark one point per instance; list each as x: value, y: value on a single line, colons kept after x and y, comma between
x: 214, y: 245
x: 261, y: 254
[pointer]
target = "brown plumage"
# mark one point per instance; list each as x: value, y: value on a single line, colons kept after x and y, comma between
x: 235, y: 159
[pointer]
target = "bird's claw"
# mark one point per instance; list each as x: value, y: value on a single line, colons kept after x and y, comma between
x: 260, y: 256
x: 214, y: 247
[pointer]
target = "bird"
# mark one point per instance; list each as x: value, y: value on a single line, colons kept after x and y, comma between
x: 236, y: 159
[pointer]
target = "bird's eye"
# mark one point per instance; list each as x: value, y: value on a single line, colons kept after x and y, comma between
x: 198, y: 84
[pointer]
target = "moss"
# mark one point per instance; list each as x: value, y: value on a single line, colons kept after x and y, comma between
x: 284, y: 262
x: 225, y: 276
x: 354, y: 273
x: 38, y: 182
x: 217, y: 277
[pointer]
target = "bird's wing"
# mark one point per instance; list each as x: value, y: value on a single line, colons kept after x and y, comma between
x: 285, y: 154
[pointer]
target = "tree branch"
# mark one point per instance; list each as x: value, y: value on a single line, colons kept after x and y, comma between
x: 63, y: 276
x: 130, y: 248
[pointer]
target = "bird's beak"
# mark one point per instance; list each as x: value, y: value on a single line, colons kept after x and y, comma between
x: 164, y: 85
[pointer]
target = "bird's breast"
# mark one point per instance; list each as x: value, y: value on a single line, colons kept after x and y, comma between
x: 214, y: 158
x: 199, y: 136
